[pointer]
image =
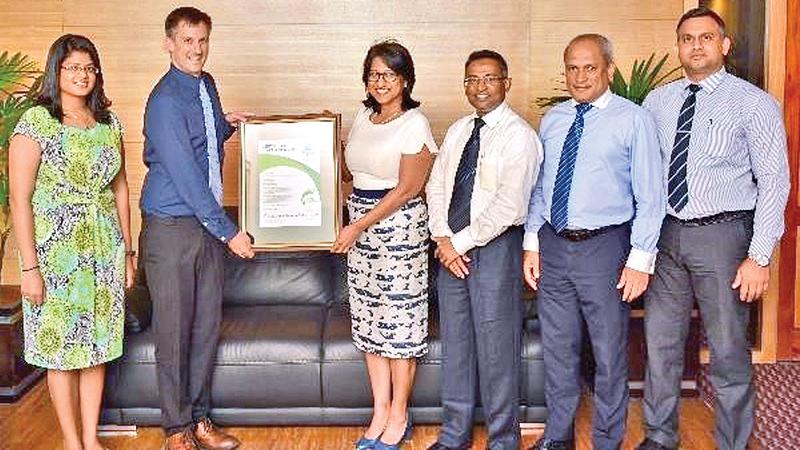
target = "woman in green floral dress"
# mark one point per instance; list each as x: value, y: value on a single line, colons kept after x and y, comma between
x: 69, y: 205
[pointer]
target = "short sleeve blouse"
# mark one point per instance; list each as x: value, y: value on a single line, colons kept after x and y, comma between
x: 373, y: 151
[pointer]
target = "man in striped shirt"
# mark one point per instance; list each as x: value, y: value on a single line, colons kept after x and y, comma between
x: 727, y: 182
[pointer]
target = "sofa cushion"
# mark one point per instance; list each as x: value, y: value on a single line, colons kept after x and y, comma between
x: 271, y: 334
x: 298, y: 278
x: 252, y: 335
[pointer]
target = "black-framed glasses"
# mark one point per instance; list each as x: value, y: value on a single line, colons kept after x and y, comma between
x: 374, y: 76
x: 489, y: 80
x: 76, y: 68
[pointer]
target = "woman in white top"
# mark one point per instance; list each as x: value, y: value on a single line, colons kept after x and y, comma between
x: 389, y: 153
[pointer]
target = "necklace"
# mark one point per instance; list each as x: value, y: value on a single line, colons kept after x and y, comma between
x: 397, y: 114
x: 84, y: 120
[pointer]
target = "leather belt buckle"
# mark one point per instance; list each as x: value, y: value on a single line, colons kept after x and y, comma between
x: 579, y: 235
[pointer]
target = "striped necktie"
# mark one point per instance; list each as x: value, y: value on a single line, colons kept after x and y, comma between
x: 458, y: 214
x: 214, y: 172
x: 677, y: 185
x: 559, y: 211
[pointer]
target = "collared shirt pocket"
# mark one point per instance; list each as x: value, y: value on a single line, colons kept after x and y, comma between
x: 488, y: 168
x: 716, y: 134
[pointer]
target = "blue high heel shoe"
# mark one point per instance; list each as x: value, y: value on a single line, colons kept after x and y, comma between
x: 409, y: 431
x: 367, y: 444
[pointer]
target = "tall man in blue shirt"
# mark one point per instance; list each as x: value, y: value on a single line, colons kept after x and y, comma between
x: 727, y: 178
x: 594, y: 218
x: 185, y: 231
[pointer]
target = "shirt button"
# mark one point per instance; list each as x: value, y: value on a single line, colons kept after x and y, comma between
x: 205, y: 224
x: 222, y: 238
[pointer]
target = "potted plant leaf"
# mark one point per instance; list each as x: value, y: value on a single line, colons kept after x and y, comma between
x: 644, y: 78
x: 19, y: 79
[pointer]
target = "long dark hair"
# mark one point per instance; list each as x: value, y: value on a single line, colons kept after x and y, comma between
x: 399, y: 60
x: 49, y: 94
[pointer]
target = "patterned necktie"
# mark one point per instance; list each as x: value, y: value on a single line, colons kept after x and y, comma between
x: 677, y: 185
x: 214, y: 173
x: 459, y: 211
x: 566, y: 166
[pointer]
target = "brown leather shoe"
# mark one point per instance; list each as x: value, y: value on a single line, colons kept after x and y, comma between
x: 209, y: 437
x: 180, y: 441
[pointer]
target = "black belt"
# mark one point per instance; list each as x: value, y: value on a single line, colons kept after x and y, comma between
x: 582, y: 234
x: 370, y: 193
x: 727, y: 216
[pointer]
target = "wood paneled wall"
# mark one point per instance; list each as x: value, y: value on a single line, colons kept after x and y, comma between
x: 284, y: 56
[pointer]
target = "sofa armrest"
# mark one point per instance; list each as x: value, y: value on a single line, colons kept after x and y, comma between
x: 138, y: 309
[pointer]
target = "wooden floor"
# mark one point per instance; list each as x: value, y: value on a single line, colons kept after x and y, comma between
x: 31, y: 424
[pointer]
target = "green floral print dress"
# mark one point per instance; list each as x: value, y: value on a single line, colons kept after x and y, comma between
x: 79, y: 244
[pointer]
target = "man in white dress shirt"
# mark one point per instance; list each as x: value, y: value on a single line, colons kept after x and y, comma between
x: 477, y: 201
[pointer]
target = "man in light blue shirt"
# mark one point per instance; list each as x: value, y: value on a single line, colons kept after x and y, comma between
x: 594, y: 218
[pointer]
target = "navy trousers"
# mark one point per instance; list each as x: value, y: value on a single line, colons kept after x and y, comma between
x: 481, y: 330
x: 578, y: 282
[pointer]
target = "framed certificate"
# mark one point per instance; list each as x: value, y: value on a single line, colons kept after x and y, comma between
x: 290, y: 197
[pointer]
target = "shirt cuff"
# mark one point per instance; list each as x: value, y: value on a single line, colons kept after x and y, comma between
x: 462, y: 241
x: 761, y: 248
x: 530, y: 242
x: 641, y: 260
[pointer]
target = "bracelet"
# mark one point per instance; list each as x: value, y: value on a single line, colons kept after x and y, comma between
x: 30, y: 268
x: 130, y: 253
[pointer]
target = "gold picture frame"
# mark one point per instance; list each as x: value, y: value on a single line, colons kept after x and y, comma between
x: 290, y: 195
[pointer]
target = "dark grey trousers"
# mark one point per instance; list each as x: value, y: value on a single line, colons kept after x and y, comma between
x: 579, y: 281
x: 183, y: 266
x: 699, y: 263
x: 481, y: 328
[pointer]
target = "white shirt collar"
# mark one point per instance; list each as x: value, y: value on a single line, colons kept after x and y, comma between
x: 601, y: 101
x: 493, y: 117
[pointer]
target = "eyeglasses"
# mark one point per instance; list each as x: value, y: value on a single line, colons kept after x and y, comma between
x: 75, y: 68
x: 373, y: 76
x: 489, y: 80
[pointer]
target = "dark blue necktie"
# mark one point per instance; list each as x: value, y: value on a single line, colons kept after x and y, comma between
x: 677, y: 185
x: 458, y: 213
x: 566, y: 166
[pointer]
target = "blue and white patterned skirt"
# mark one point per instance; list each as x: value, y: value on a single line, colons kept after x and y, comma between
x: 387, y: 280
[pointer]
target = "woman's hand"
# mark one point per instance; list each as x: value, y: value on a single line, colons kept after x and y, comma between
x: 130, y: 271
x: 32, y: 287
x: 347, y: 237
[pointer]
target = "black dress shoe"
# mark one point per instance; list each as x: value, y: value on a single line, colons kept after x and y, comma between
x: 550, y: 444
x: 438, y: 446
x: 649, y: 444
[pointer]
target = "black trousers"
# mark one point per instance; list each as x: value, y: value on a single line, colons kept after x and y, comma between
x: 184, y: 272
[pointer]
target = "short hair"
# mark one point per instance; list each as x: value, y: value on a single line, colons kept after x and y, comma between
x: 188, y: 14
x: 397, y: 57
x: 488, y: 54
x: 702, y: 11
x: 605, y: 45
x: 49, y: 92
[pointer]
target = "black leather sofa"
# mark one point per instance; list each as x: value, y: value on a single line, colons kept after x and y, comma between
x: 285, y: 356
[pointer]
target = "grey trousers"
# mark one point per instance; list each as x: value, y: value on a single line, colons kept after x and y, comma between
x: 579, y: 282
x: 699, y: 263
x: 481, y: 330
x: 184, y: 272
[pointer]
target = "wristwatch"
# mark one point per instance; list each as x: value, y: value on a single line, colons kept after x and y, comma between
x: 760, y: 260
